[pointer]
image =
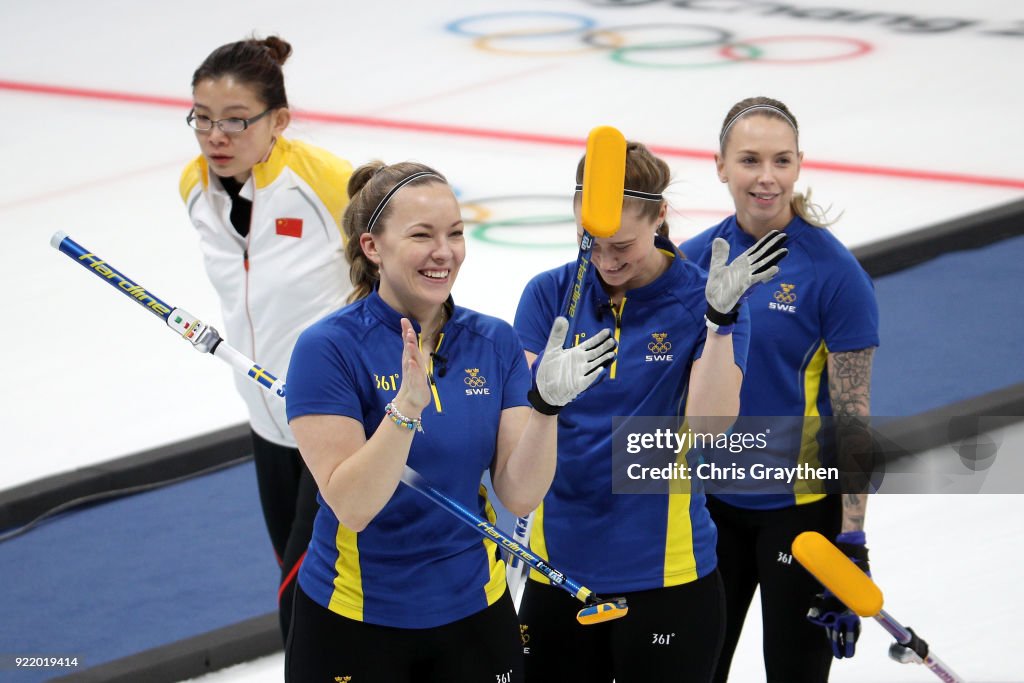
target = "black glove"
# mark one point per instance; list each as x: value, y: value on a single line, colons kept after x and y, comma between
x: 841, y: 625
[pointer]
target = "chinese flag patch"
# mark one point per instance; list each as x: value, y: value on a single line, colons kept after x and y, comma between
x: 289, y: 227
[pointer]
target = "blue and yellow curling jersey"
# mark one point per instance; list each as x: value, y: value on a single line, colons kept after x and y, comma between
x: 609, y: 542
x: 414, y: 565
x: 821, y: 302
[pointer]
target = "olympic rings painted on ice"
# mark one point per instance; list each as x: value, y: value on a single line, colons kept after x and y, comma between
x: 621, y: 55
x: 534, y: 221
x: 480, y: 213
x: 483, y: 231
x: 497, y: 223
x: 486, y: 43
x: 523, y: 38
x: 860, y: 47
x: 719, y: 36
x: 458, y: 26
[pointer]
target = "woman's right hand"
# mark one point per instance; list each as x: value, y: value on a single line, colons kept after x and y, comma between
x: 414, y: 393
x: 563, y: 374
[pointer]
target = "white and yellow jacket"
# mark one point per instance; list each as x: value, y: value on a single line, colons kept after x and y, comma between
x: 288, y: 273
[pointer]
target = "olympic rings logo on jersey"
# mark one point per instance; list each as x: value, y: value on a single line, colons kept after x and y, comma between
x: 659, y: 348
x: 659, y: 345
x: 785, y: 295
x: 542, y: 33
x: 475, y: 381
x: 473, y: 378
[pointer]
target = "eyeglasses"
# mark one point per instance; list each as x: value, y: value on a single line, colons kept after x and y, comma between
x: 204, y: 124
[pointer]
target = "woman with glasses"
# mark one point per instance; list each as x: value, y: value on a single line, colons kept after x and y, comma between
x: 267, y: 211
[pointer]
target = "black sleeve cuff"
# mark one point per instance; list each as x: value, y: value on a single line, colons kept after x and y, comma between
x: 540, y: 405
x: 722, y: 319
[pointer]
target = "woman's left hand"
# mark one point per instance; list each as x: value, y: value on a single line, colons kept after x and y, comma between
x: 414, y: 393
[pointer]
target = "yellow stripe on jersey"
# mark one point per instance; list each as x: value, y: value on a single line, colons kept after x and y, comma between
x: 618, y: 329
x: 190, y: 178
x: 430, y: 370
x: 680, y: 563
x: 810, y: 450
x: 495, y: 587
x: 325, y: 173
x: 538, y: 546
x: 347, y: 598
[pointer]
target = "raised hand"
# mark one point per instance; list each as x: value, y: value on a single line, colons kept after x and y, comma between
x: 729, y: 285
x: 414, y: 393
x: 562, y: 374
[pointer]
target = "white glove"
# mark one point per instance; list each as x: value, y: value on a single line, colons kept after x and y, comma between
x: 729, y: 285
x: 562, y: 374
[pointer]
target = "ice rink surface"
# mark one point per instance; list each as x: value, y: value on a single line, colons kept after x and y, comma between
x: 910, y: 115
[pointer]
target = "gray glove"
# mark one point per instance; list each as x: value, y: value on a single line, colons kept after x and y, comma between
x: 730, y: 285
x: 562, y: 374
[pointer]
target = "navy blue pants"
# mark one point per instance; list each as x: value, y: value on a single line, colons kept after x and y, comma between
x: 670, y: 635
x: 754, y: 549
x: 324, y: 646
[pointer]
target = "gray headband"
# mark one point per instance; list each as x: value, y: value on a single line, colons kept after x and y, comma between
x: 739, y: 114
x: 647, y: 196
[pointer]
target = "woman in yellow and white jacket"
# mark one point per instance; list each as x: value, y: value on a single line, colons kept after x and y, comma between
x: 268, y: 214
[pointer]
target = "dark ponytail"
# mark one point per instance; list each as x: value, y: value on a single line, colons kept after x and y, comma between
x: 255, y: 62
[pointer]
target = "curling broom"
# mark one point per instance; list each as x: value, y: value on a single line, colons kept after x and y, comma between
x: 604, y: 173
x: 206, y: 339
x: 859, y: 592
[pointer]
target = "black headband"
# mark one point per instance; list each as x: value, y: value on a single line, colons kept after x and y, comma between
x: 646, y: 196
x: 398, y: 186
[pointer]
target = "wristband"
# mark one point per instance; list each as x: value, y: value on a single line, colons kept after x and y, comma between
x: 853, y: 537
x: 401, y: 420
x: 720, y: 323
x: 851, y: 543
x: 540, y: 405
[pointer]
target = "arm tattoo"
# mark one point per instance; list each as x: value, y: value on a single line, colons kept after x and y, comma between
x: 849, y: 385
x: 849, y: 382
x: 854, y: 509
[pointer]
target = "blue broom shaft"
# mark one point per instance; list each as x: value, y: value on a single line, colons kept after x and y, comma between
x: 242, y: 364
x: 111, y: 275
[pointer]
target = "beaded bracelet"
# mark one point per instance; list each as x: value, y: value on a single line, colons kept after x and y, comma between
x: 401, y: 420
